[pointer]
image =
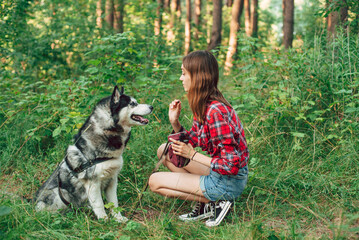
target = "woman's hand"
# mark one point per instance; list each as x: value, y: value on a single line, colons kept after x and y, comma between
x: 182, y: 149
x: 174, y: 112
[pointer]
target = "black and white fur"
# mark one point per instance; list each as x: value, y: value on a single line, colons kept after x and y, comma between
x: 104, y: 135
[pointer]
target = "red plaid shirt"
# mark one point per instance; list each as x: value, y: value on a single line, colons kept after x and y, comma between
x: 222, y: 137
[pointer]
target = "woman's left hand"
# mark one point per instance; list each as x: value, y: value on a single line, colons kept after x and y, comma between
x: 182, y: 149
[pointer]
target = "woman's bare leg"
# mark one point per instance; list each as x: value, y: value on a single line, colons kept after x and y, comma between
x: 185, y: 186
x: 182, y: 183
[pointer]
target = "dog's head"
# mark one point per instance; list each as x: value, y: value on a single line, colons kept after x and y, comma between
x: 126, y: 111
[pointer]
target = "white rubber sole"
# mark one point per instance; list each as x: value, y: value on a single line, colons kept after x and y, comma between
x: 200, y: 217
x: 218, y: 220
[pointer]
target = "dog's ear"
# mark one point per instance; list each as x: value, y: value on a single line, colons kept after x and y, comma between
x: 122, y: 90
x: 115, y: 98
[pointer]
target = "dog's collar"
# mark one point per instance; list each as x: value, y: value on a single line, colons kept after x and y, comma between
x: 86, y: 165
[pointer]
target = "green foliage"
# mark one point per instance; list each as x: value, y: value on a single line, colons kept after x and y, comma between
x: 309, y: 23
x: 42, y: 40
x: 127, y: 58
x: 4, y: 210
x: 352, y: 6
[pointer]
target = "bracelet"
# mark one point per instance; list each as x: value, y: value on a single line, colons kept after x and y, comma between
x: 193, y: 155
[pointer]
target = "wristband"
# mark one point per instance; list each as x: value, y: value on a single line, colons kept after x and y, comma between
x: 193, y: 155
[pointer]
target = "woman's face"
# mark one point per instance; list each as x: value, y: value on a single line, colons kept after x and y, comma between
x: 185, y: 78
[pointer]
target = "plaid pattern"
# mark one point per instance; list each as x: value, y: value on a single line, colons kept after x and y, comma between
x: 222, y: 137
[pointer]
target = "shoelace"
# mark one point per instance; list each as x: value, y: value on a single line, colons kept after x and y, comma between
x: 196, y: 209
x: 210, y: 207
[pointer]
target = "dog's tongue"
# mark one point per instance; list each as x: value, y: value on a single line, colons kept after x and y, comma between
x: 140, y: 118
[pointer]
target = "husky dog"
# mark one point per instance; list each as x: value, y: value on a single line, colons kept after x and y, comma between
x: 93, y: 162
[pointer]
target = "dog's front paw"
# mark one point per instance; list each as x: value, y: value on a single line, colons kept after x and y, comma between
x: 102, y: 216
x: 119, y: 218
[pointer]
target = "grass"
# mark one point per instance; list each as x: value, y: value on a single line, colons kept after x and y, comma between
x: 299, y: 110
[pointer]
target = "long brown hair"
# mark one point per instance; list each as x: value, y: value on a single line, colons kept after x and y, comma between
x: 203, y: 69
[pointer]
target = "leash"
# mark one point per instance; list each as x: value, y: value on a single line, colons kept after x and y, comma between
x: 77, y: 170
x: 158, y: 164
x: 63, y: 199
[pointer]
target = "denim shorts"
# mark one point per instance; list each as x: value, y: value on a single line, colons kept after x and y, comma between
x: 216, y: 186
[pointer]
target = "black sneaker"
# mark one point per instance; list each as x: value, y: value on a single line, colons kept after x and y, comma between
x: 200, y: 211
x: 221, y: 208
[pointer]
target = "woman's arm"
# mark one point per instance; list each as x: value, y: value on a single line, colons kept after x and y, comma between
x: 174, y: 112
x: 203, y: 159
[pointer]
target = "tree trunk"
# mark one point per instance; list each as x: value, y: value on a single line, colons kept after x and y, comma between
x: 336, y: 17
x: 178, y: 10
x: 109, y: 13
x: 99, y: 13
x: 217, y: 25
x: 171, y: 22
x: 166, y: 5
x: 247, y: 17
x: 254, y: 18
x: 188, y: 27
x: 237, y: 9
x: 118, y: 15
x: 288, y: 23
x: 344, y: 15
x: 158, y: 20
x: 209, y: 12
x: 332, y: 21
x: 197, y: 17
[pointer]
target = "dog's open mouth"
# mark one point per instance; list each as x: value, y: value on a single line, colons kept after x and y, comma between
x: 139, y: 118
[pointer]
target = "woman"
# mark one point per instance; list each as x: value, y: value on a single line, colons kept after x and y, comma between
x: 213, y: 182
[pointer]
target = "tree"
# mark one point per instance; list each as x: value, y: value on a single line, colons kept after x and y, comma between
x: 178, y: 10
x: 237, y: 9
x: 114, y: 13
x: 288, y: 23
x: 254, y: 18
x: 166, y: 4
x: 158, y: 20
x: 188, y: 27
x: 215, y: 40
x: 118, y: 15
x: 338, y: 16
x: 197, y: 17
x: 209, y: 12
x: 109, y: 13
x: 171, y: 22
x: 247, y: 17
x: 99, y: 13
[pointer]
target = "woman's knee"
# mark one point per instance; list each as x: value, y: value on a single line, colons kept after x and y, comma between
x: 153, y: 182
